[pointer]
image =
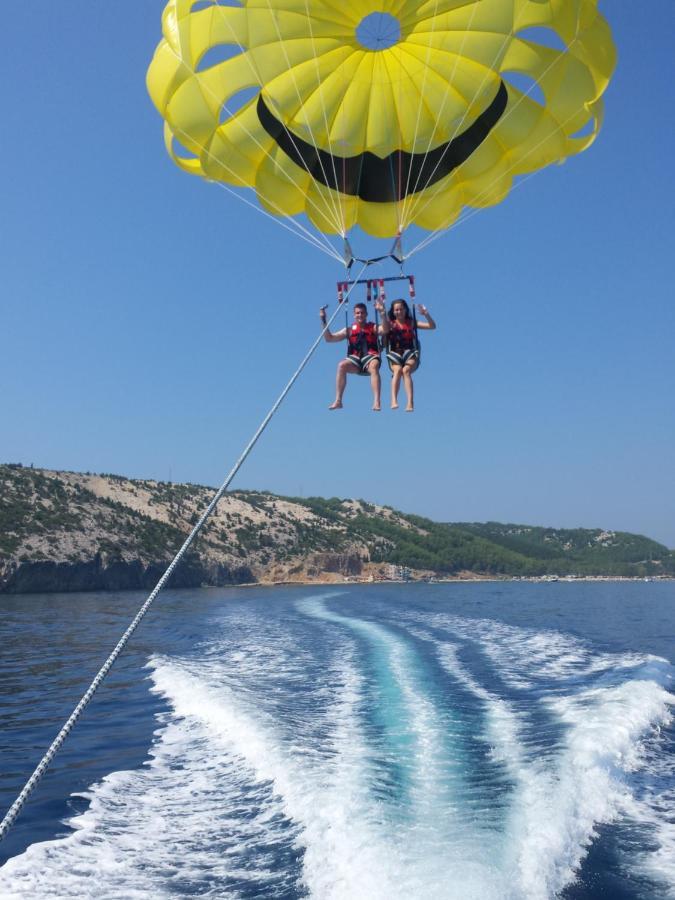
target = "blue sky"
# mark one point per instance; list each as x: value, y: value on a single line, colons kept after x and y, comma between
x: 149, y: 320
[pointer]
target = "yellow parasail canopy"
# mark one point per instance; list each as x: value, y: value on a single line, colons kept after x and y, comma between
x: 437, y: 108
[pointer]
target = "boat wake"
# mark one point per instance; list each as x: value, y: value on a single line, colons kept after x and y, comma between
x: 339, y: 755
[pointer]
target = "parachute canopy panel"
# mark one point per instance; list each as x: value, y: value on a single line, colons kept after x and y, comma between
x: 381, y: 114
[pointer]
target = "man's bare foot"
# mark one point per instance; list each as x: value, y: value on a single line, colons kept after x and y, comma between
x: 410, y: 409
x: 394, y: 404
x: 376, y: 407
x: 336, y: 405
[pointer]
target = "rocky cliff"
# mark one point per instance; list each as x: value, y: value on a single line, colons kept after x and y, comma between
x: 66, y: 531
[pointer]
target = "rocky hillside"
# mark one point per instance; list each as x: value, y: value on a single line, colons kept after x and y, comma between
x: 63, y: 531
x: 70, y: 531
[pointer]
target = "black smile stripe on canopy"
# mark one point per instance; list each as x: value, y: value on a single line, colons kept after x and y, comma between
x: 368, y: 176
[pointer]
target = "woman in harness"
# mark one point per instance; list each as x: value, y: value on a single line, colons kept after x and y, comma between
x: 403, y: 349
x: 363, y: 351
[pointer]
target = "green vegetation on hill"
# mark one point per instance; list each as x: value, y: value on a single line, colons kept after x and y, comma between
x: 579, y: 550
x: 496, y: 549
x: 34, y: 505
x: 30, y: 505
x: 65, y: 517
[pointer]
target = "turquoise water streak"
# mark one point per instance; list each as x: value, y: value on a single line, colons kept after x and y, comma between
x: 420, y: 759
x: 492, y: 741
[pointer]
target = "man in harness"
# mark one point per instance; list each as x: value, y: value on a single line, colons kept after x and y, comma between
x: 363, y: 350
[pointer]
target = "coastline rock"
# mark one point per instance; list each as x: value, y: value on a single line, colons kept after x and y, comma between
x: 342, y: 563
x: 116, y: 574
x: 69, y: 531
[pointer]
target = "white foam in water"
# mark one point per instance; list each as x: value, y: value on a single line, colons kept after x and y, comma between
x: 230, y: 783
x: 142, y: 835
x: 502, y: 731
x: 146, y: 832
x: 420, y: 723
x: 654, y: 808
x: 342, y: 850
x: 440, y: 852
x: 524, y: 658
x: 556, y: 820
x: 561, y: 800
x: 535, y: 844
x: 351, y: 850
x: 643, y: 754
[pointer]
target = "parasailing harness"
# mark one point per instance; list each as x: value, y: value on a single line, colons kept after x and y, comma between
x: 363, y: 341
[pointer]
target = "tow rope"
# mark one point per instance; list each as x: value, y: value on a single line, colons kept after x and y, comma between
x: 55, y: 746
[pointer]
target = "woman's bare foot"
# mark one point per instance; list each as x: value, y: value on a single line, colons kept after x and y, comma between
x: 394, y: 404
x: 336, y: 405
x: 410, y: 409
x: 376, y: 407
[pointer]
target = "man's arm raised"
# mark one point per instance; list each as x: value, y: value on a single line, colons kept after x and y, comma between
x: 328, y: 335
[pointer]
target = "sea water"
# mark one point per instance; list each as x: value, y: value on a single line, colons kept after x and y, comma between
x: 495, y: 741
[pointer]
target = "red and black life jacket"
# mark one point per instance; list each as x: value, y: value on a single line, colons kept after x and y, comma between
x: 363, y: 340
x: 402, y: 336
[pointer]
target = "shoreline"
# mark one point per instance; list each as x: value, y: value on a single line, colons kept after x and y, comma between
x: 478, y: 579
x: 64, y: 532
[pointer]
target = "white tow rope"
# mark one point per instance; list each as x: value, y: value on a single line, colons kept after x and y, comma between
x: 34, y: 779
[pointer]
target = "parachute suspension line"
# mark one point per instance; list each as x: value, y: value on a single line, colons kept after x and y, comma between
x: 336, y: 210
x: 401, y: 198
x: 395, y: 253
x: 296, y: 228
x: 507, y: 37
x: 440, y: 232
x: 349, y: 256
x: 394, y: 185
x: 486, y: 191
x: 412, y: 200
x: 319, y: 84
x: 413, y: 311
x: 343, y: 131
x: 421, y: 103
x: 319, y: 240
x: 394, y: 166
x: 307, y: 237
x: 414, y: 205
x: 260, y: 146
x: 55, y: 746
x: 379, y: 295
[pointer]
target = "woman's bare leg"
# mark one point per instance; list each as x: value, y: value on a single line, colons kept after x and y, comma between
x: 408, y: 369
x: 396, y: 372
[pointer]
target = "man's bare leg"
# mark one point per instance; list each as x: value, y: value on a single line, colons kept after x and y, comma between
x: 376, y: 384
x: 345, y: 366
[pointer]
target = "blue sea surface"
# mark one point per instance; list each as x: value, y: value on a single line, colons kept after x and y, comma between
x: 501, y: 741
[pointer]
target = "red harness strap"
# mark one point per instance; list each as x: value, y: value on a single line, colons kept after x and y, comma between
x: 401, y: 336
x: 363, y: 340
